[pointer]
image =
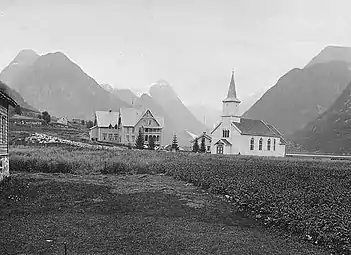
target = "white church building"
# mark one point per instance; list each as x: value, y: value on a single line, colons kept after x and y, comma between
x: 237, y: 135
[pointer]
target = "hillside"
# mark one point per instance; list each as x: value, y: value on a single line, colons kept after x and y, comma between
x: 331, y: 132
x: 56, y: 84
x: 165, y: 96
x: 299, y: 95
x: 16, y: 96
x: 332, y: 53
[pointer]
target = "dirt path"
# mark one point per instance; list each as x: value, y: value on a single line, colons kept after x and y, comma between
x: 134, y: 214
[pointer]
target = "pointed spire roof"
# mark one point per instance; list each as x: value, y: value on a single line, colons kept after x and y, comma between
x: 231, y: 97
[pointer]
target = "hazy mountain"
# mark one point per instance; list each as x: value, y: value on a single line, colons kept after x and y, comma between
x: 206, y: 114
x: 299, y: 95
x: 56, y: 84
x: 165, y: 96
x: 332, y: 53
x: 24, y: 59
x: 331, y: 132
x: 16, y: 96
x: 125, y: 94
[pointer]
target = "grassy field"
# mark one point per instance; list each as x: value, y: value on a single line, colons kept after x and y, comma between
x: 133, y: 214
x: 309, y: 199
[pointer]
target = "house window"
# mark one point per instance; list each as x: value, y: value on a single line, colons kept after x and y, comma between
x: 158, y: 138
x: 110, y: 136
x: 104, y: 135
x: 133, y: 130
x: 133, y: 138
x: 146, y: 130
x: 150, y: 122
x: 146, y: 137
x: 219, y: 149
x: 274, y: 141
x: 208, y: 148
x: 269, y: 144
x: 225, y: 133
x: 127, y: 137
x: 260, y: 144
x: 252, y: 144
x: 116, y: 137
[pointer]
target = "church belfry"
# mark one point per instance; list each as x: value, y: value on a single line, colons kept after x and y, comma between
x: 231, y: 102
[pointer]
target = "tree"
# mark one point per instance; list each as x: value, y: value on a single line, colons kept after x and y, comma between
x: 196, y: 146
x: 46, y: 116
x: 203, y: 145
x: 139, y: 144
x: 89, y: 124
x: 152, y: 144
x: 18, y: 110
x: 175, y: 143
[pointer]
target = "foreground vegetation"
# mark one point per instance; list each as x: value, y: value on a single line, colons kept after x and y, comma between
x: 309, y: 198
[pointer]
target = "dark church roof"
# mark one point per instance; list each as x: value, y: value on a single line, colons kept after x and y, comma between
x: 254, y: 127
x: 231, y: 97
x: 258, y: 128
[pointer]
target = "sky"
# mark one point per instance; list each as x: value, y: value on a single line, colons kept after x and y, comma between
x: 194, y: 45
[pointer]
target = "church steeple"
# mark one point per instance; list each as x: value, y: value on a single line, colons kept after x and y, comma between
x: 231, y: 103
x: 231, y: 96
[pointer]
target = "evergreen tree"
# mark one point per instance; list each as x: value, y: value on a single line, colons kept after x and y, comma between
x: 89, y: 124
x: 18, y: 110
x: 139, y: 144
x: 46, y: 116
x: 152, y: 144
x: 196, y: 146
x: 203, y: 145
x: 175, y: 143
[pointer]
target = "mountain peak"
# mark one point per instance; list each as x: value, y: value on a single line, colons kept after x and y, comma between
x: 26, y: 56
x: 332, y: 53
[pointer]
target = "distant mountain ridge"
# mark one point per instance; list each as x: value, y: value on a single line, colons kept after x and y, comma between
x: 54, y: 83
x: 301, y: 95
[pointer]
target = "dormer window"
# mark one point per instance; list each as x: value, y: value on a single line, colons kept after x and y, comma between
x: 225, y: 133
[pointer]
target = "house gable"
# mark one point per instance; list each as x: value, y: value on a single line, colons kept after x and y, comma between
x: 148, y: 119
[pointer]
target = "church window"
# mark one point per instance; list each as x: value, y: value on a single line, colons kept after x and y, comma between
x: 269, y: 144
x: 274, y: 142
x: 252, y: 144
x: 260, y: 143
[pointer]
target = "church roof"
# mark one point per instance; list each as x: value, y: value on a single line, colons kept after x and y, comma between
x: 231, y: 96
x: 276, y: 131
x: 255, y: 127
x: 105, y: 118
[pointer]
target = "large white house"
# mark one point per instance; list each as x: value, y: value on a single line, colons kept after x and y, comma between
x: 123, y: 126
x: 237, y: 135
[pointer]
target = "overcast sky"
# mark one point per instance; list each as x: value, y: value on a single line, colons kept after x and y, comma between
x: 191, y: 44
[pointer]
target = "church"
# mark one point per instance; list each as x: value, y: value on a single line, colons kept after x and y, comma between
x: 237, y: 135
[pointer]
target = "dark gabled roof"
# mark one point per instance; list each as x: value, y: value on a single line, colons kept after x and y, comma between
x: 224, y: 141
x: 9, y: 99
x: 254, y: 127
x: 199, y: 137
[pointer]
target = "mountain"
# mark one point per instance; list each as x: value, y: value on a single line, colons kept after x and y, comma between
x: 164, y: 95
x: 206, y: 114
x: 24, y: 59
x: 331, y: 132
x: 125, y: 94
x: 16, y: 96
x: 56, y: 84
x: 332, y: 53
x: 299, y: 95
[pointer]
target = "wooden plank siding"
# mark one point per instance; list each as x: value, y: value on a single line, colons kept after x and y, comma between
x: 4, y: 127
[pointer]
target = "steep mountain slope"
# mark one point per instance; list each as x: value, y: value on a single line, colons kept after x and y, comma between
x: 16, y: 96
x: 331, y: 132
x: 165, y: 96
x: 24, y: 59
x: 56, y: 84
x: 332, y: 53
x: 299, y: 96
x: 206, y: 114
x: 125, y: 94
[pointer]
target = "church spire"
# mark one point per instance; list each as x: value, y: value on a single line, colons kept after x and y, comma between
x: 231, y: 97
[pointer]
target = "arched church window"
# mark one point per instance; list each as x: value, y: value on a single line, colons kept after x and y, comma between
x: 252, y: 144
x: 225, y: 133
x: 274, y: 142
x: 269, y: 144
x: 260, y: 143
